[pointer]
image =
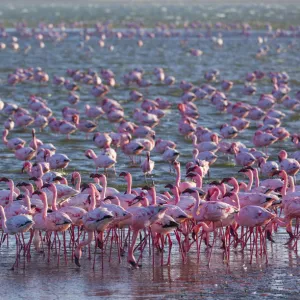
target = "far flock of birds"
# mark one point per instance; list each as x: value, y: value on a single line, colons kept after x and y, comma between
x: 49, y: 213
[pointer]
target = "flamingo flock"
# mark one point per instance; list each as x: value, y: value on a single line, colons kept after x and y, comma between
x: 58, y: 211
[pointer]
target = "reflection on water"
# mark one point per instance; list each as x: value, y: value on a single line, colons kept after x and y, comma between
x: 40, y: 280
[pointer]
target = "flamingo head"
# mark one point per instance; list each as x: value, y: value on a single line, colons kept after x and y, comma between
x: 280, y: 173
x: 84, y: 186
x: 36, y: 193
x: 191, y: 174
x: 226, y: 179
x: 58, y: 178
x: 47, y: 185
x: 22, y: 184
x: 20, y: 197
x: 282, y: 155
x: 4, y: 179
x: 26, y: 166
x: 123, y: 174
x: 246, y: 170
x: 169, y: 186
x: 109, y: 198
x: 136, y: 200
x: 146, y: 188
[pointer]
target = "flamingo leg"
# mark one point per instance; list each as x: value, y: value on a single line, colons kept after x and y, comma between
x: 130, y: 257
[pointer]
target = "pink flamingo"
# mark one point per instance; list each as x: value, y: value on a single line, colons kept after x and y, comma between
x: 57, y: 160
x: 14, y: 226
x: 84, y: 125
x: 12, y: 143
x: 242, y: 158
x: 102, y: 139
x: 95, y: 219
x: 24, y: 153
x: 290, y: 165
x: 101, y: 161
x: 147, y: 165
x: 67, y: 128
x: 141, y: 219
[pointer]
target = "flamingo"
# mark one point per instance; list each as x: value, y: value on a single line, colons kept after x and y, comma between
x: 57, y: 160
x: 14, y: 226
x: 290, y: 165
x: 13, y: 143
x: 147, y: 165
x: 142, y: 219
x: 84, y: 125
x: 95, y: 219
x: 101, y: 161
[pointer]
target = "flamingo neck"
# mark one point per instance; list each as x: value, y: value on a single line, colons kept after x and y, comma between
x: 64, y: 181
x: 292, y: 183
x: 216, y: 195
x: 4, y: 137
x: 45, y: 207
x: 93, y: 200
x: 3, y: 219
x: 168, y: 195
x: 256, y: 176
x: 194, y: 141
x: 153, y: 196
x: 285, y: 183
x: 92, y: 154
x: 129, y: 183
x: 199, y: 171
x: 27, y: 201
x: 222, y: 188
x: 104, y: 186
x: 178, y: 176
x: 250, y: 182
x: 118, y: 202
x: 195, y: 209
x: 30, y: 189
x: 54, y: 191
x: 40, y: 170
x: 236, y: 187
x: 11, y: 192
x: 145, y: 202
x: 34, y: 142
x: 84, y: 243
x: 97, y: 180
x: 78, y: 182
x: 195, y: 154
x: 243, y: 186
x: 198, y: 180
x: 39, y: 183
x: 237, y: 200
x: 47, y: 154
x: 176, y: 195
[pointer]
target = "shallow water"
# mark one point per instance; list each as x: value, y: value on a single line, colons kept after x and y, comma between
x: 192, y: 280
x: 280, y: 278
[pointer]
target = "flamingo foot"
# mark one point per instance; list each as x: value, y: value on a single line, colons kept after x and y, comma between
x: 290, y: 239
x: 288, y: 242
x: 194, y: 236
x: 122, y: 252
x: 269, y: 236
x: 134, y: 264
x: 100, y: 244
x: 77, y: 261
